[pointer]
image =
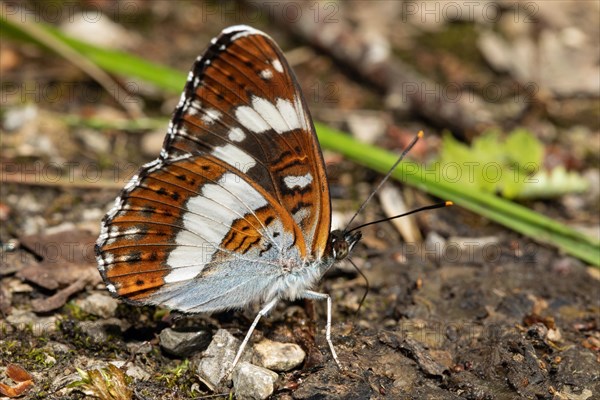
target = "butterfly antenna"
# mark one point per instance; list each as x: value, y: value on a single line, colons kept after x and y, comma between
x: 386, y: 177
x: 446, y: 203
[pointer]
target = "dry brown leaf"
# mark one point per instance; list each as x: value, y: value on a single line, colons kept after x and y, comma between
x: 68, y: 265
x: 17, y: 373
x: 23, y: 380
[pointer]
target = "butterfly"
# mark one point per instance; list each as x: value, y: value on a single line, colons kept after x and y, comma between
x: 236, y: 209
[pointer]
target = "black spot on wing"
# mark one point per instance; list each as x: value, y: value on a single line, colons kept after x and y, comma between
x: 267, y: 248
x: 135, y: 256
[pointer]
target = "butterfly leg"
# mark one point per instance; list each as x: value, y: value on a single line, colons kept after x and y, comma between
x: 309, y: 294
x: 264, y: 311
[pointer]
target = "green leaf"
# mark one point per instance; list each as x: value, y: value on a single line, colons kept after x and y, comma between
x: 524, y: 150
x: 510, y: 167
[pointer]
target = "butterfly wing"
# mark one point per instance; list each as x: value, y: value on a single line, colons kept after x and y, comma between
x: 242, y: 104
x: 238, y: 196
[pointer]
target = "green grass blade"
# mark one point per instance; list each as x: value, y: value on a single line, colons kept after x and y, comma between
x: 111, y: 60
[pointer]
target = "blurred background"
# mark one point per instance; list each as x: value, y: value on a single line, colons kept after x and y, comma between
x: 506, y: 91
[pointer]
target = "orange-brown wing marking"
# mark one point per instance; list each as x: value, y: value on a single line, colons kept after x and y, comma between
x: 142, y: 232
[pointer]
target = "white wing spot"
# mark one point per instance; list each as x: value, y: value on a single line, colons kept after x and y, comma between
x: 270, y: 114
x: 299, y: 108
x: 189, y: 77
x: 109, y: 258
x: 134, y: 181
x: 289, y: 114
x: 277, y: 65
x: 266, y: 74
x: 236, y: 135
x: 300, y: 181
x: 235, y: 156
x: 301, y: 214
x: 250, y: 119
x: 131, y: 231
x: 283, y: 116
x: 210, y: 116
x: 241, y: 31
x: 194, y: 107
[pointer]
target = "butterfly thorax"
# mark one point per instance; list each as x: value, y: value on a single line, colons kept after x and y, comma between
x: 296, y: 278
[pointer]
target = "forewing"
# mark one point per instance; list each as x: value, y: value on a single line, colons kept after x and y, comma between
x: 242, y: 104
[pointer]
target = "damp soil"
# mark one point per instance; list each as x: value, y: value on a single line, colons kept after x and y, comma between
x: 517, y: 320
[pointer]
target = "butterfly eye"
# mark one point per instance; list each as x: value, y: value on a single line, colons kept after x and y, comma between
x: 339, y: 245
x: 340, y: 249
